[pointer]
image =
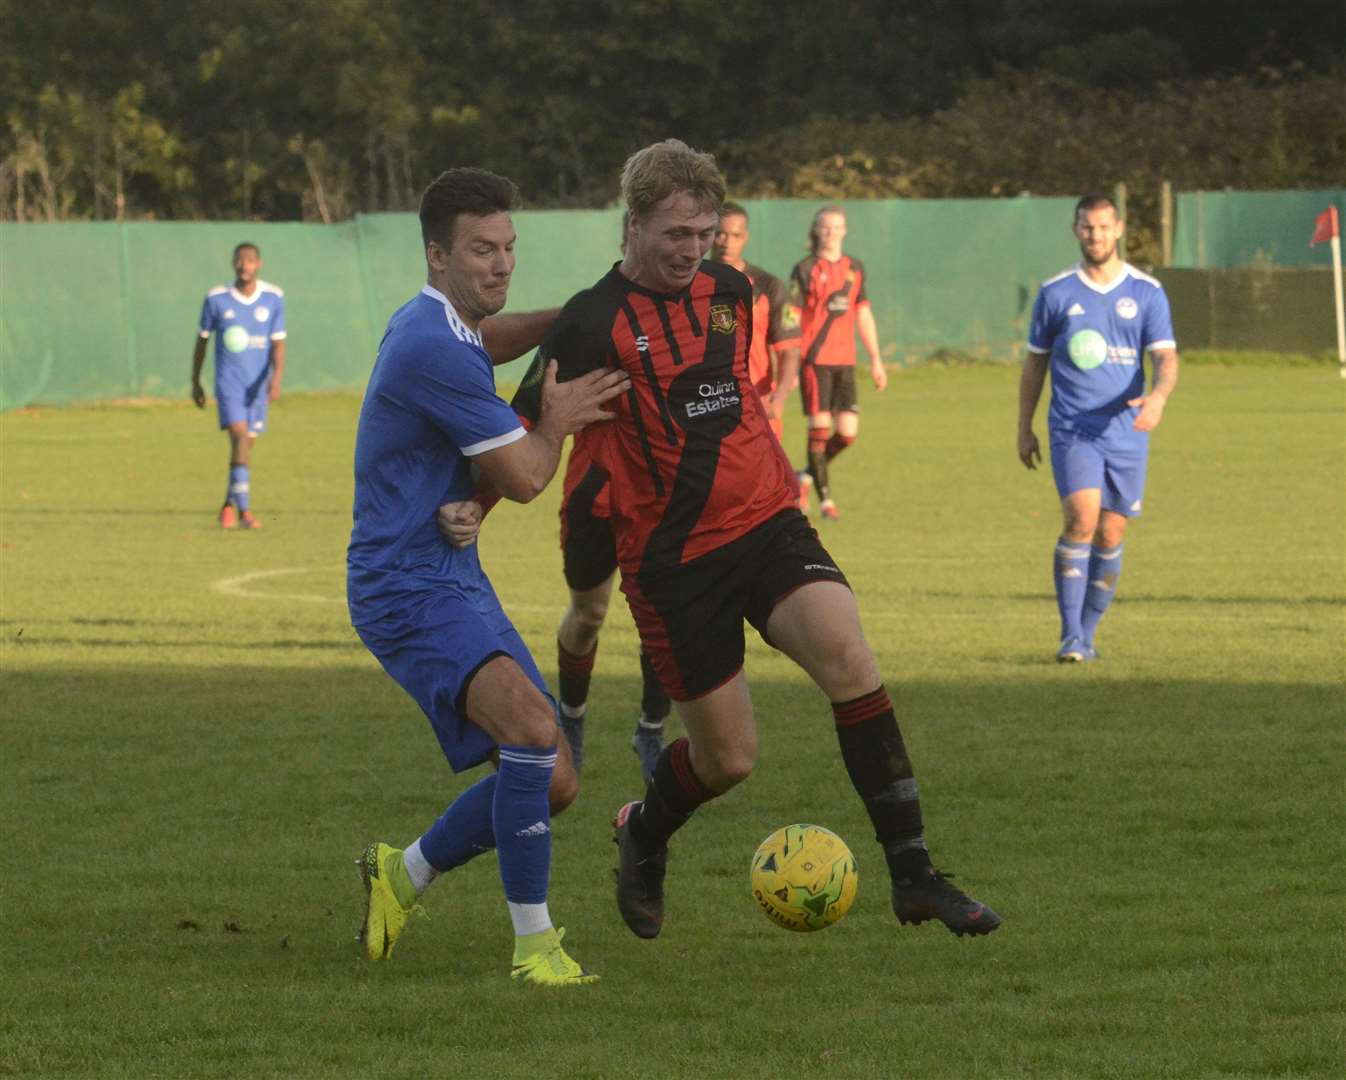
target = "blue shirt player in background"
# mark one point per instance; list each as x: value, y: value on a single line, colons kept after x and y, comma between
x: 248, y: 321
x: 430, y: 426
x: 1092, y: 325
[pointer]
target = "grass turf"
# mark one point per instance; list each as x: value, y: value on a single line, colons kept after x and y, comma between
x: 196, y: 747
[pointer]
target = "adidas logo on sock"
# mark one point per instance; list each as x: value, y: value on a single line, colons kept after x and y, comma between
x: 538, y: 828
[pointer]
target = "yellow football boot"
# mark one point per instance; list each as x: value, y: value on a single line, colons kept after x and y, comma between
x: 386, y: 890
x: 539, y: 959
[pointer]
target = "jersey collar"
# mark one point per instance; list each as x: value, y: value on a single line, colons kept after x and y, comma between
x: 456, y: 324
x: 247, y: 300
x: 1103, y: 289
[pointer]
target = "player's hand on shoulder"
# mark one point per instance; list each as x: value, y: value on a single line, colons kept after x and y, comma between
x: 572, y: 405
x: 460, y: 522
x: 1029, y: 451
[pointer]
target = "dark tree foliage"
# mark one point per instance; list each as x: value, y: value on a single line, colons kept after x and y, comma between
x: 315, y: 110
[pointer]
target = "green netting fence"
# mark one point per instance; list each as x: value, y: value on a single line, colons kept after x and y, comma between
x: 1236, y: 229
x: 92, y: 311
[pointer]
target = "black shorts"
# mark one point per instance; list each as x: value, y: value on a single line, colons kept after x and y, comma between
x: 827, y: 388
x: 588, y: 548
x: 691, y: 619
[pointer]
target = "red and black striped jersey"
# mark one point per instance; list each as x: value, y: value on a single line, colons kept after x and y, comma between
x: 585, y: 474
x: 775, y: 325
x: 827, y: 295
x: 692, y: 461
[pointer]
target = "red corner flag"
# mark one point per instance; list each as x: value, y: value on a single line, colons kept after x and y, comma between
x: 1325, y: 226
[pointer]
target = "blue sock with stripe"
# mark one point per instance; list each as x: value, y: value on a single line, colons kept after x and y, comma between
x: 1070, y: 570
x: 238, y: 487
x: 521, y: 814
x: 1105, y: 567
x: 464, y: 830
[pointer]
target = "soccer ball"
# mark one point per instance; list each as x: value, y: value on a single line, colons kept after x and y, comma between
x: 804, y: 877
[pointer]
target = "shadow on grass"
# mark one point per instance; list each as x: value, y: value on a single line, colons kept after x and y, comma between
x: 187, y: 837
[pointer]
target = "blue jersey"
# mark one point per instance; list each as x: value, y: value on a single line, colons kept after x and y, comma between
x: 429, y: 408
x: 244, y: 328
x: 1096, y: 337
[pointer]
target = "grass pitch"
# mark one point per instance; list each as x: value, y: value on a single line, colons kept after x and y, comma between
x: 196, y: 747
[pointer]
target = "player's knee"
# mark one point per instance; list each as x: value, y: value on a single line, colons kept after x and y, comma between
x: 590, y: 613
x: 848, y: 666
x: 1109, y: 534
x: 1079, y: 528
x: 532, y: 722
x: 736, y: 768
x: 727, y: 768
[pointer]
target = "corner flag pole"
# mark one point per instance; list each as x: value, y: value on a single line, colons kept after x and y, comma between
x: 1328, y: 227
x: 1341, y: 315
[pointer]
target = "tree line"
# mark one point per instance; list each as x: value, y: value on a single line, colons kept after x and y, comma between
x: 314, y: 111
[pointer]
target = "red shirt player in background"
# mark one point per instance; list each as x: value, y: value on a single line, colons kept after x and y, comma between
x: 709, y: 536
x: 828, y: 291
x: 773, y: 353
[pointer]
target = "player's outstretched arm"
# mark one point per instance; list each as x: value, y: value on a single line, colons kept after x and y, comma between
x: 508, y: 337
x: 1165, y: 379
x: 198, y: 359
x: 1030, y: 390
x: 522, y: 469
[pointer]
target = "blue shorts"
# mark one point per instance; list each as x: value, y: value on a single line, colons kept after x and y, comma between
x: 239, y: 401
x: 1081, y: 461
x: 434, y: 657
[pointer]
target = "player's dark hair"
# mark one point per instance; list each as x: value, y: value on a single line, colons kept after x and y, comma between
x: 462, y: 191
x: 731, y: 209
x: 1095, y: 201
x: 817, y: 224
x: 246, y: 244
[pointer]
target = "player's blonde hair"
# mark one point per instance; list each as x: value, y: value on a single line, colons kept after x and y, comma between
x: 666, y: 168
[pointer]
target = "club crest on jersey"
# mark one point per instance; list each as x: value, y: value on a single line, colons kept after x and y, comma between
x: 1126, y: 308
x: 722, y: 319
x: 263, y: 314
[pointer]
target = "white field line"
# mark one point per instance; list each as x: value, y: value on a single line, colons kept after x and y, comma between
x: 240, y: 587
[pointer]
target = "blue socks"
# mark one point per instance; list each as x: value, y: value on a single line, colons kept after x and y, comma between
x: 521, y: 816
x: 464, y: 830
x: 509, y: 810
x: 1071, y: 574
x: 238, y: 487
x: 1105, y: 567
